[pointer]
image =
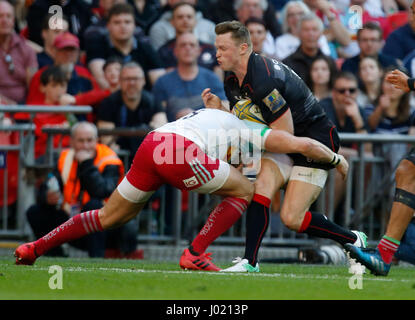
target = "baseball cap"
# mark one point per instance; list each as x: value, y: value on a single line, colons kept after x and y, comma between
x: 65, y: 40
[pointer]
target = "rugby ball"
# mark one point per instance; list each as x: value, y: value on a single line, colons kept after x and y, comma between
x: 247, y: 110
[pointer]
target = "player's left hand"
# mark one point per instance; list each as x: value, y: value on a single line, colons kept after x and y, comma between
x: 398, y: 79
x: 211, y: 100
x: 343, y: 166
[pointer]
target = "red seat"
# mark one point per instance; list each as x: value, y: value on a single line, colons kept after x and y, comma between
x: 11, y: 163
x: 397, y: 19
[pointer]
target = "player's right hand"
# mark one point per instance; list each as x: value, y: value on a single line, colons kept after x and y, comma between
x: 211, y: 100
x: 398, y: 79
x: 343, y: 166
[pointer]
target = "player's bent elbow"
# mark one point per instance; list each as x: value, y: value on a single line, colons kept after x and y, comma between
x: 405, y: 175
x: 305, y: 146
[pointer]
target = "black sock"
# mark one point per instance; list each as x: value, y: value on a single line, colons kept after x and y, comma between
x: 193, y: 252
x: 257, y: 221
x: 319, y: 226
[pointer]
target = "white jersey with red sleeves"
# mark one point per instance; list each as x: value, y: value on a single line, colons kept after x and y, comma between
x: 218, y: 133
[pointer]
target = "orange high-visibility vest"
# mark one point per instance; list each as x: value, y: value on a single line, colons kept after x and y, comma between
x: 68, y: 168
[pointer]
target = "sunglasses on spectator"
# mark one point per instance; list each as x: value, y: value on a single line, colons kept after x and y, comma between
x: 344, y: 90
x: 8, y: 59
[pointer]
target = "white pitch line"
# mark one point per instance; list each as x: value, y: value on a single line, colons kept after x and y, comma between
x: 265, y: 275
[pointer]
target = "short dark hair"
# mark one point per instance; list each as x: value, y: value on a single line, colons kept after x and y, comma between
x: 111, y: 60
x: 255, y: 20
x: 345, y: 75
x: 180, y: 4
x: 53, y: 74
x: 332, y: 69
x: 238, y: 30
x: 371, y: 25
x: 120, y: 8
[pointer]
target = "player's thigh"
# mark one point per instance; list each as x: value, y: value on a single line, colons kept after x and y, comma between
x: 274, y: 173
x: 140, y: 182
x: 236, y: 185
x: 303, y: 188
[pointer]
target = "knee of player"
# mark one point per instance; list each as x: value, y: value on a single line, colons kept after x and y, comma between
x: 264, y: 187
x: 290, y: 219
x: 104, y: 220
x: 247, y: 192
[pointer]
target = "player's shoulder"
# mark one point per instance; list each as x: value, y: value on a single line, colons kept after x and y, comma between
x: 263, y: 68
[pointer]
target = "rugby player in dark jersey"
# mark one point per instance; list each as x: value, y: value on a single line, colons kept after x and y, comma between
x: 284, y: 102
x: 379, y: 260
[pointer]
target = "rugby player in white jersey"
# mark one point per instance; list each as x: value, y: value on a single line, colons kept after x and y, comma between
x: 189, y: 154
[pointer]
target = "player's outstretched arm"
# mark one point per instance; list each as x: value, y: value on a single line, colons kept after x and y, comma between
x: 212, y: 101
x: 279, y: 141
x: 400, y: 80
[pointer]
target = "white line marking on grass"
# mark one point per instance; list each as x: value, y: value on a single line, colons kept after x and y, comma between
x: 256, y: 275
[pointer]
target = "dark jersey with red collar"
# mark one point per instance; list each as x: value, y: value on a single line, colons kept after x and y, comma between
x: 274, y: 87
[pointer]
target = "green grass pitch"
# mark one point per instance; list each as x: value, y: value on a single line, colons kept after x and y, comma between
x: 146, y: 280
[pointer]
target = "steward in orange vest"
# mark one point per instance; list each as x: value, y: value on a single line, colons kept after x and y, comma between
x: 86, y: 180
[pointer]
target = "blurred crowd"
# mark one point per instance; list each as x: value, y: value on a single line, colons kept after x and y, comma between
x: 142, y: 63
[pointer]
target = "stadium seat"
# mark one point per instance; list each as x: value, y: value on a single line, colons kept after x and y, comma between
x: 397, y: 19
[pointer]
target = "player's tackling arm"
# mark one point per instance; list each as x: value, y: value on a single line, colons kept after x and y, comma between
x: 279, y: 141
x: 212, y: 101
x: 284, y: 122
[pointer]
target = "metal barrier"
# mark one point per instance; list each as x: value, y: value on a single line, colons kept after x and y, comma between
x: 22, y: 186
x: 26, y: 159
x: 163, y: 220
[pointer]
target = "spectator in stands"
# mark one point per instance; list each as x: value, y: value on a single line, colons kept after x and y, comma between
x: 78, y: 13
x: 82, y: 87
x: 86, y: 174
x: 348, y: 18
x: 46, y: 57
x: 221, y: 10
x: 101, y: 11
x: 121, y: 42
x: 184, y: 20
x: 263, y: 9
x: 347, y: 116
x: 53, y: 84
x: 369, y: 39
x: 179, y: 91
x: 370, y: 75
x: 98, y: 27
x: 162, y: 30
x: 258, y: 32
x: 289, y: 41
x: 146, y: 12
x: 246, y: 9
x: 401, y: 42
x: 391, y: 114
x: 333, y: 27
x: 131, y: 106
x: 310, y: 30
x: 17, y: 60
x: 112, y: 70
x: 342, y: 107
x: 321, y: 78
